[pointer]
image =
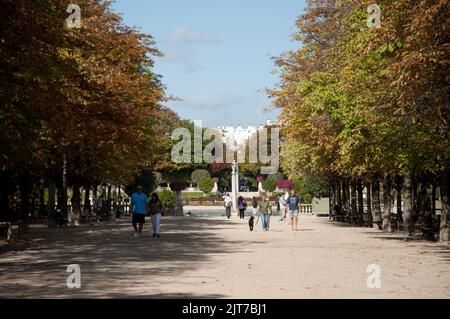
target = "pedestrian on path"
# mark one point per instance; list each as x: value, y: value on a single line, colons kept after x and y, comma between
x: 227, y: 202
x: 156, y: 209
x: 282, y: 204
x: 255, y: 206
x: 293, y: 203
x: 242, y: 206
x: 265, y: 211
x: 138, y: 207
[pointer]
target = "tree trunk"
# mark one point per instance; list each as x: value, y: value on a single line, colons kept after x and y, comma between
x: 426, y: 217
x: 416, y: 209
x: 178, y: 207
x: 444, y: 234
x: 109, y: 199
x: 433, y: 198
x: 369, y: 205
x: 376, y: 208
x: 354, y: 200
x: 64, y: 189
x: 359, y: 190
x: 346, y: 200
x: 332, y: 199
x: 76, y: 204
x: 408, y: 216
x: 387, y: 227
x: 338, y: 193
x: 25, y: 192
x: 51, y: 204
x: 87, y: 201
x: 42, y: 198
x: 398, y: 191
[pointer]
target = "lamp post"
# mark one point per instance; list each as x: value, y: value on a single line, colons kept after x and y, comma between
x: 234, y: 184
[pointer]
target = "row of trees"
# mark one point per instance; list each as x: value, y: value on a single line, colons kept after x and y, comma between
x: 363, y: 106
x: 79, y: 106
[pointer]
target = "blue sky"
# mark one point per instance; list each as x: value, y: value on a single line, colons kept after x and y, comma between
x: 217, y: 53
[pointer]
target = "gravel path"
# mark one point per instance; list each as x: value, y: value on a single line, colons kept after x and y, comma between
x: 214, y: 257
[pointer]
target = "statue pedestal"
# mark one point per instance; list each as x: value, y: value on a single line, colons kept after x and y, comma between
x: 178, y: 207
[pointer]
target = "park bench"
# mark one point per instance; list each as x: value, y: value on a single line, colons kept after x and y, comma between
x: 431, y: 232
x: 5, y: 229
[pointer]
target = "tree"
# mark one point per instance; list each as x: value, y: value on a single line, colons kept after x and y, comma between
x: 97, y: 79
x: 359, y: 104
x: 269, y: 184
x: 198, y: 175
x: 205, y: 184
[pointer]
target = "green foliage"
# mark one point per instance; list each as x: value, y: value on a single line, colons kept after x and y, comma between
x: 167, y: 197
x: 269, y: 184
x: 251, y: 181
x: 199, y: 174
x: 189, y: 195
x: 276, y: 176
x: 312, y: 186
x: 223, y: 183
x: 146, y: 179
x: 206, y: 184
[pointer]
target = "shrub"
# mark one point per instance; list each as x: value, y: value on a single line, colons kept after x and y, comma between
x: 223, y: 183
x: 198, y: 174
x: 269, y: 185
x: 205, y: 184
x: 285, y: 184
x: 167, y: 197
x: 276, y: 176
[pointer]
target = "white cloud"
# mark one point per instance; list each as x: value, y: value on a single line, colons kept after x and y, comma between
x: 183, y: 35
x: 178, y: 47
x: 184, y: 57
x: 228, y: 108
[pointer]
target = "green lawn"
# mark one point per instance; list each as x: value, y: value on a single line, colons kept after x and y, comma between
x: 187, y: 195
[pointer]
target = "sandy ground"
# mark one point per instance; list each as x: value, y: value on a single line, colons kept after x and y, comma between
x: 214, y: 257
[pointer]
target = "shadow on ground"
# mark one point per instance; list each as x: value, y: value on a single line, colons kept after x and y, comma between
x: 427, y: 247
x: 113, y: 262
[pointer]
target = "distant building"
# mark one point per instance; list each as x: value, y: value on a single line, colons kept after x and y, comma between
x: 235, y: 136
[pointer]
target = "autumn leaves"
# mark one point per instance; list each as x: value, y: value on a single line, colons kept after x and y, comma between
x: 360, y: 102
x: 83, y: 98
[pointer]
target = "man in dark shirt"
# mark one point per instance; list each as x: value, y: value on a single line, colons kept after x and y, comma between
x: 293, y: 203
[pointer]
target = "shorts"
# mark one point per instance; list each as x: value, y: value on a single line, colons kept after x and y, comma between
x: 293, y: 213
x: 138, y: 219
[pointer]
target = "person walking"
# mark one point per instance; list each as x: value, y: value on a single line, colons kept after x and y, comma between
x: 282, y: 204
x: 255, y: 206
x: 242, y: 206
x: 265, y: 211
x: 278, y: 205
x: 138, y: 208
x: 227, y: 203
x: 156, y: 209
x: 293, y: 203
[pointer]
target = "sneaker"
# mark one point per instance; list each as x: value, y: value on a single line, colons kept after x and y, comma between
x: 158, y: 235
x: 154, y: 235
